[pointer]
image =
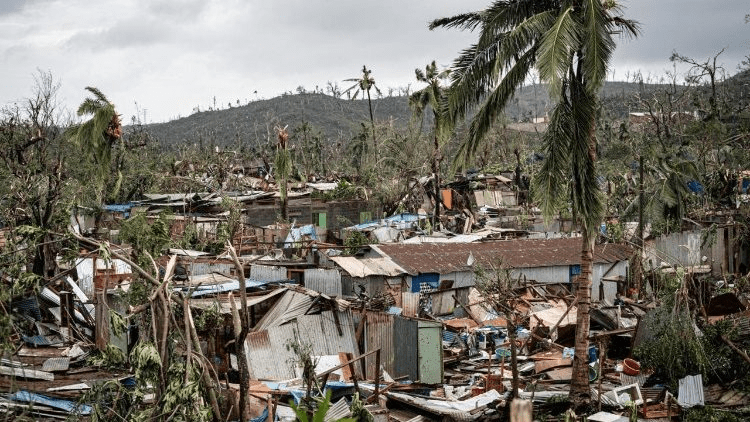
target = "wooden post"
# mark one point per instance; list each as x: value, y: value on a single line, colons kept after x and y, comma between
x: 377, y: 374
x: 102, y: 320
x: 520, y: 410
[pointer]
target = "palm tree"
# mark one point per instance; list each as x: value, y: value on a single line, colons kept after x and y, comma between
x: 433, y: 96
x: 97, y: 135
x: 363, y: 85
x: 569, y: 43
x: 283, y: 170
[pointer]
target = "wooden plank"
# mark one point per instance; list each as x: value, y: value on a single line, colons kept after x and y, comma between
x: 26, y: 373
x: 562, y: 374
x: 544, y: 365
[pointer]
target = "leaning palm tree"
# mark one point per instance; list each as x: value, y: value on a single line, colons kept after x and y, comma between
x: 569, y: 43
x: 434, y: 97
x: 363, y: 85
x: 97, y: 136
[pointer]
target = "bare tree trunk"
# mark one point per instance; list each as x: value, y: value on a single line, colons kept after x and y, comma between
x: 239, y: 340
x: 436, y: 172
x: 579, y: 387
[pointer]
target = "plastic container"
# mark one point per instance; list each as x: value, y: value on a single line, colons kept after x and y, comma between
x: 631, y: 367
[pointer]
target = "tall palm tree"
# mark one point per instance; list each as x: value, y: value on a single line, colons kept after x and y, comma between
x: 284, y: 167
x: 434, y: 97
x: 569, y: 43
x: 363, y: 85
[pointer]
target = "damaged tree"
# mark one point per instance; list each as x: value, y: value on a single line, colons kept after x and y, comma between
x: 570, y: 43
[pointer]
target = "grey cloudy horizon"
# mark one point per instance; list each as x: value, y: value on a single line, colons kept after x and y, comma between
x: 167, y: 57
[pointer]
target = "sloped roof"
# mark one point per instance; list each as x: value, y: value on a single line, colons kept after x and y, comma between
x: 363, y: 267
x: 521, y: 253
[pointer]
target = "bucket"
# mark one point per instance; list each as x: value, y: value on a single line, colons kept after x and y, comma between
x: 631, y: 367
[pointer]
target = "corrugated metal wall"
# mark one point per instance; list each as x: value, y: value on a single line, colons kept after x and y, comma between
x: 379, y: 334
x: 410, y: 303
x: 267, y: 354
x: 684, y: 249
x: 267, y: 273
x: 407, y: 350
x: 203, y: 268
x: 323, y: 281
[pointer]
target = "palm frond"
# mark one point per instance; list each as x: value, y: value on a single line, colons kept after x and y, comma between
x: 598, y: 44
x: 463, y: 21
x: 555, y: 171
x: 494, y: 104
x: 554, y: 51
x: 477, y: 70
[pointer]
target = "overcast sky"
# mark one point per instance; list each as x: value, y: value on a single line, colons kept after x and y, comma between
x: 169, y: 56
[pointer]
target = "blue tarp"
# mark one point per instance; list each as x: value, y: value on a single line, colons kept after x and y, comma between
x: 121, y: 208
x: 296, y: 235
x: 695, y: 186
x: 66, y: 405
x: 231, y: 286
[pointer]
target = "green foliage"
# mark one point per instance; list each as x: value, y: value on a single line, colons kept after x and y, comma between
x: 117, y: 323
x: 146, y: 362
x: 674, y: 349
x: 343, y: 191
x: 354, y: 240
x: 209, y: 319
x: 146, y: 236
x: 321, y: 408
x: 359, y: 412
x: 183, y: 399
x: 710, y: 414
x: 111, y: 357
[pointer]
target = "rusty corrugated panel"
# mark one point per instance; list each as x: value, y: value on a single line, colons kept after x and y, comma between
x: 445, y: 258
x: 379, y: 335
x: 324, y: 281
x: 410, y: 304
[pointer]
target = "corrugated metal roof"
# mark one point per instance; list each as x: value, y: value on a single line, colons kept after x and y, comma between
x: 365, y: 267
x: 225, y: 307
x: 269, y: 356
x: 526, y: 253
x: 323, y: 281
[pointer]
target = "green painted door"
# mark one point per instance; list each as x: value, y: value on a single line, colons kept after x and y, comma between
x: 430, y: 353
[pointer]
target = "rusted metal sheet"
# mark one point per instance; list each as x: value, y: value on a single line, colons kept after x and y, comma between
x: 267, y: 273
x: 410, y: 304
x: 526, y: 253
x: 324, y: 281
x: 379, y: 335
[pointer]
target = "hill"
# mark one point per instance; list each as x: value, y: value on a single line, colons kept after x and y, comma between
x: 339, y: 119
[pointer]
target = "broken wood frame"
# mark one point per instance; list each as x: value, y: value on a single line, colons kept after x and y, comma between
x: 350, y: 364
